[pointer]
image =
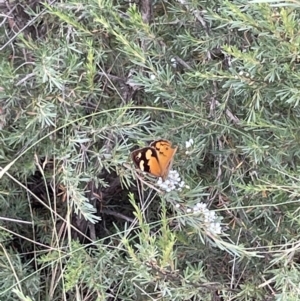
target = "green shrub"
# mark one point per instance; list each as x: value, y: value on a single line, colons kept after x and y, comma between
x: 85, y: 83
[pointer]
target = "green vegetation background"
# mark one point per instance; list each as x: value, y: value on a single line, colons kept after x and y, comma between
x: 83, y: 83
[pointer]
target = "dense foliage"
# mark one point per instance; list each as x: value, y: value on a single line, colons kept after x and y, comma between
x: 83, y: 83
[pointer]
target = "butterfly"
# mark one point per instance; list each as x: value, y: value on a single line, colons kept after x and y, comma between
x: 155, y: 159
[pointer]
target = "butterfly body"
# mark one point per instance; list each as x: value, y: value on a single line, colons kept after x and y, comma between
x: 155, y: 159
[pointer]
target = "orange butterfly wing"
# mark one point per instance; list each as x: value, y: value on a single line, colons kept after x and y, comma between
x: 165, y: 153
x: 146, y: 159
x: 155, y: 159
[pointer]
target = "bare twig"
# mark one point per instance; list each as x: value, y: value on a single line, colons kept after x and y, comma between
x: 146, y: 10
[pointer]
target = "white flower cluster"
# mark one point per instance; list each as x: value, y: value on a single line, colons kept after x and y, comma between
x: 173, y: 62
x: 188, y: 144
x: 172, y: 182
x: 209, y: 217
x: 152, y: 76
